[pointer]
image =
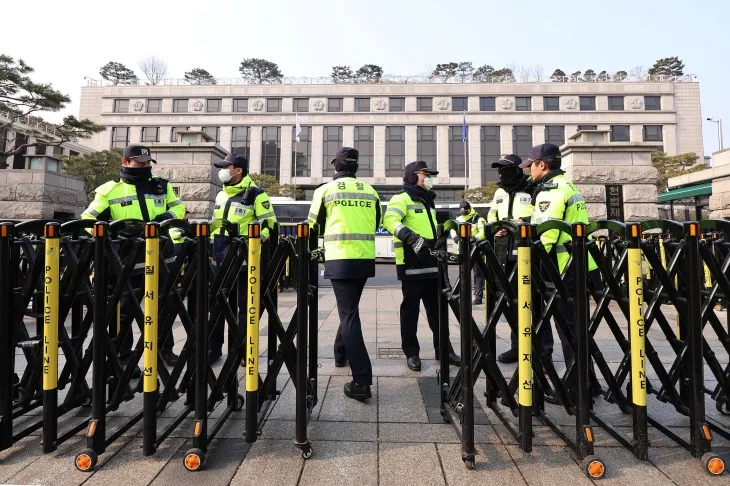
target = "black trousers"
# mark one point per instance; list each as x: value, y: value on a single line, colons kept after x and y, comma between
x: 478, y: 283
x: 126, y: 304
x: 413, y: 293
x: 349, y: 342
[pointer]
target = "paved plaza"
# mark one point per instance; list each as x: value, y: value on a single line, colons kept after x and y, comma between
x: 397, y: 437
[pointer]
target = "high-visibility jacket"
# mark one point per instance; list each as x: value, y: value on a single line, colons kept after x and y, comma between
x: 478, y: 224
x: 116, y: 200
x: 243, y: 203
x: 404, y: 216
x: 559, y: 199
x: 510, y: 206
x: 348, y: 211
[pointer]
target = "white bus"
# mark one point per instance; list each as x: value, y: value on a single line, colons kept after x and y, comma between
x: 289, y: 212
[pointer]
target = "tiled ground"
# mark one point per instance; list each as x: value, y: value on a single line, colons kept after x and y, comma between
x: 398, y: 437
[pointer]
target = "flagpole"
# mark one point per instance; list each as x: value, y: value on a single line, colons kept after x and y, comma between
x: 466, y: 159
x: 294, y: 169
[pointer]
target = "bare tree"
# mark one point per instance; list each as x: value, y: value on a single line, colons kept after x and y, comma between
x: 524, y: 73
x: 539, y: 71
x: 637, y: 71
x: 154, y: 69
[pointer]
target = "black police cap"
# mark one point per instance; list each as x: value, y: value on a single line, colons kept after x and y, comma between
x: 138, y: 153
x: 233, y: 159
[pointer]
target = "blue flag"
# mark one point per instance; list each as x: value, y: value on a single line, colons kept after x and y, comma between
x: 463, y: 129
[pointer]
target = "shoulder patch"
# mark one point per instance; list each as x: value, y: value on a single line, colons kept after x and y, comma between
x: 266, y: 204
x: 544, y: 205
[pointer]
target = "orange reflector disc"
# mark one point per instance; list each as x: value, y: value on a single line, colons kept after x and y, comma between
x: 83, y: 462
x: 716, y: 466
x: 596, y: 469
x: 192, y: 461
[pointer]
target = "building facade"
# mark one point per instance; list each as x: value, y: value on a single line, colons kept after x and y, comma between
x: 392, y: 124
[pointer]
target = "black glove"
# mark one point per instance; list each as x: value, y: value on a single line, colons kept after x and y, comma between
x: 419, y: 245
x: 473, y: 240
x: 457, y: 239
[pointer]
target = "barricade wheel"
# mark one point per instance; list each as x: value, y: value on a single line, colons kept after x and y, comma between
x: 593, y: 467
x: 194, y: 460
x: 469, y: 461
x: 307, y: 452
x: 713, y: 463
x: 722, y: 407
x: 86, y: 460
x: 239, y: 402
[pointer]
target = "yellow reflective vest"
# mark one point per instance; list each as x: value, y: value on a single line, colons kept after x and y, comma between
x: 241, y: 204
x: 348, y: 211
x: 478, y: 224
x: 117, y: 200
x: 403, y: 216
x: 506, y: 206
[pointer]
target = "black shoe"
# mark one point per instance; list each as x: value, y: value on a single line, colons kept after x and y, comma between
x: 214, y: 355
x: 170, y: 358
x: 414, y: 363
x: 341, y: 364
x: 508, y: 357
x: 552, y: 398
x: 454, y: 359
x: 477, y: 302
x: 361, y: 393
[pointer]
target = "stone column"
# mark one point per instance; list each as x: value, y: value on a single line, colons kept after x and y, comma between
x: 348, y: 136
x: 379, y: 152
x: 287, y: 146
x: 670, y: 139
x: 538, y: 134
x: 255, y: 152
x: 637, y: 133
x: 442, y: 151
x: 317, y: 153
x: 225, y: 135
x: 505, y: 138
x: 411, y: 143
x: 475, y: 165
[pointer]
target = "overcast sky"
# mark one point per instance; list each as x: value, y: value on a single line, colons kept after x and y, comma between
x: 65, y: 40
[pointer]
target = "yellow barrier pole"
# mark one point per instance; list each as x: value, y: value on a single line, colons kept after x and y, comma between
x: 253, y: 284
x: 637, y: 336
x: 151, y: 296
x: 51, y: 233
x: 524, y: 338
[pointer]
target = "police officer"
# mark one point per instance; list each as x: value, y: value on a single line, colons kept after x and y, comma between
x: 411, y: 218
x: 136, y: 195
x: 467, y: 214
x: 349, y: 212
x: 555, y: 197
x: 240, y: 202
x: 511, y: 202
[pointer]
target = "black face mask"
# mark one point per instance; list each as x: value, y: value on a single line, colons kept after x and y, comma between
x: 510, y: 175
x: 136, y: 174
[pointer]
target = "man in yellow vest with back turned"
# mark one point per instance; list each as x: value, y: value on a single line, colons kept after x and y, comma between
x: 411, y: 219
x: 467, y: 214
x: 348, y: 211
x: 241, y: 202
x: 137, y: 195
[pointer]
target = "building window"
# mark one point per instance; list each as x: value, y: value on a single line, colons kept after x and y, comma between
x: 180, y: 106
x: 213, y: 106
x: 173, y: 134
x: 301, y: 105
x: 150, y: 134
x: 587, y: 127
x: 521, y: 140
x: 154, y: 106
x: 424, y: 104
x: 271, y: 150
x: 73, y: 153
x: 213, y: 132
x: 587, y: 103
x: 459, y: 103
x: 523, y: 103
x: 487, y: 103
x: 302, y: 153
x: 395, y: 151
x: 653, y: 133
x: 616, y: 103
x: 620, y: 133
x: 240, y: 141
x: 652, y: 103
x: 457, y: 166
x: 426, y: 145
x: 364, y: 138
x: 332, y: 139
x: 551, y: 103
x: 396, y: 104
x: 555, y: 134
x: 273, y: 105
x: 120, y: 137
x: 57, y: 150
x: 334, y: 105
x: 240, y: 105
x: 362, y: 104
x: 121, y: 106
x: 40, y: 149
x: 491, y: 151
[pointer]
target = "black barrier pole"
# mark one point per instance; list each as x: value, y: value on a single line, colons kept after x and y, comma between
x: 700, y: 436
x: 151, y: 322
x: 301, y: 441
x: 253, y: 284
x: 274, y: 296
x: 524, y: 336
x: 467, y: 390
x: 444, y: 338
x: 51, y: 304
x: 7, y: 350
x: 637, y: 338
x: 313, y: 311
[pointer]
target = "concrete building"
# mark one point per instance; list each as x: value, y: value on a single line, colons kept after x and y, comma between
x: 395, y: 122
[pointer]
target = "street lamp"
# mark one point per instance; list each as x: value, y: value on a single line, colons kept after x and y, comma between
x: 719, y: 130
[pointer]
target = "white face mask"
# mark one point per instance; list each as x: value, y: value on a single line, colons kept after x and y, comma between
x: 224, y: 175
x: 428, y: 183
